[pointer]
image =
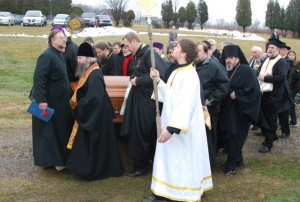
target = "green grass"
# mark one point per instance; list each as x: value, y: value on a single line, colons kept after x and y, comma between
x: 264, y: 178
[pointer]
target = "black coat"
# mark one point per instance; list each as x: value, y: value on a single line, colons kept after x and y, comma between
x: 95, y: 152
x: 235, y: 115
x: 213, y: 79
x: 70, y: 56
x: 51, y: 85
x: 112, y: 65
x: 139, y: 119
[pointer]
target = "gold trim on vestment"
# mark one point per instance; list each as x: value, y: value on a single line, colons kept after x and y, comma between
x: 181, y: 188
x: 180, y: 199
x: 181, y: 128
x: 73, y: 102
x: 178, y: 69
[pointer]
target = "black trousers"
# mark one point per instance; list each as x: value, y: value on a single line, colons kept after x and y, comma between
x: 212, y: 134
x: 283, y: 118
x: 268, y: 119
x: 293, y: 115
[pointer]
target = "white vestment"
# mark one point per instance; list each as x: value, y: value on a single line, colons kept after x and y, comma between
x: 181, y: 169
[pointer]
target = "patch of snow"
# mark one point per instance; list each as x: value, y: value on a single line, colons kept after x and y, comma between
x: 121, y: 31
x: 228, y: 34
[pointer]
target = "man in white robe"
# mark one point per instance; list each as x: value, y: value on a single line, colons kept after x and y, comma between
x: 181, y: 169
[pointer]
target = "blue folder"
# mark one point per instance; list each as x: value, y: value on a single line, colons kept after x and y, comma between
x: 35, y: 111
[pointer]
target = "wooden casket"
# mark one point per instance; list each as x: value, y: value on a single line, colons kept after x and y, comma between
x: 116, y: 88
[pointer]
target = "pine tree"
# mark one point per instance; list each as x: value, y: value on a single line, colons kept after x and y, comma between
x: 182, y: 16
x: 202, y: 13
x: 167, y: 12
x: 192, y: 14
x: 282, y: 22
x: 243, y: 13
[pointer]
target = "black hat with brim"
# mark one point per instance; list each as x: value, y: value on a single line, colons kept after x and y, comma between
x: 283, y: 45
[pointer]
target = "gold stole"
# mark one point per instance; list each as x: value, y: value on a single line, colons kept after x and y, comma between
x: 267, y: 68
x: 73, y: 102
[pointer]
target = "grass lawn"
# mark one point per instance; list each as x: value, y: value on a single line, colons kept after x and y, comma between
x: 265, y: 177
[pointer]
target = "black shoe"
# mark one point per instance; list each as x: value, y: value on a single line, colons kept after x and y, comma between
x: 254, y: 128
x: 153, y: 198
x: 259, y: 134
x: 136, y: 173
x: 239, y: 163
x: 264, y: 149
x: 283, y: 135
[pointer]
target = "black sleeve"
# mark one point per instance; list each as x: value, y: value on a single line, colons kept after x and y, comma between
x: 173, y: 130
x: 40, y: 78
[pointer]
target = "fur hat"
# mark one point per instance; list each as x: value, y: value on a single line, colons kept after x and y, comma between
x: 86, y: 50
x: 275, y: 42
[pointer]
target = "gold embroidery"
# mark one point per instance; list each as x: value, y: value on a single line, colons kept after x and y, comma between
x: 180, y: 188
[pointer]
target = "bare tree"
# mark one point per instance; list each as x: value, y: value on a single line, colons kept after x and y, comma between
x: 116, y: 8
x: 175, y: 4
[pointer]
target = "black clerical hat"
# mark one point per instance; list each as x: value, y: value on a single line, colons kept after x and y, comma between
x: 233, y: 51
x: 283, y: 45
x: 85, y: 49
x: 275, y: 42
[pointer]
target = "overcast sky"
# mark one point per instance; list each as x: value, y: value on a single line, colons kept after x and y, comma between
x: 217, y: 9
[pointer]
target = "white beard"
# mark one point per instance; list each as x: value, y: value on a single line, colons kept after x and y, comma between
x: 81, y: 69
x: 229, y: 68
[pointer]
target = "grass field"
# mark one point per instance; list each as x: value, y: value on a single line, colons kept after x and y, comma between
x: 265, y: 177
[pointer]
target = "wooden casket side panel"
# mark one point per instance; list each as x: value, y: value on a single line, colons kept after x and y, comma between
x: 116, y: 88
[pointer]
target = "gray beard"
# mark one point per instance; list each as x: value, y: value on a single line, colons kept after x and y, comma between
x: 228, y: 68
x: 81, y: 69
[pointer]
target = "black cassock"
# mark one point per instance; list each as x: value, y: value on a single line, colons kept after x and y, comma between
x: 95, y: 153
x: 51, y: 85
x: 236, y: 115
x: 139, y: 120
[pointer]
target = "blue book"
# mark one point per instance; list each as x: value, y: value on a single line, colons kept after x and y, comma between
x: 35, y: 111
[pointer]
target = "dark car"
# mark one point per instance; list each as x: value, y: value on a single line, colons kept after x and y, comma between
x: 104, y: 20
x: 89, y: 19
x: 18, y: 19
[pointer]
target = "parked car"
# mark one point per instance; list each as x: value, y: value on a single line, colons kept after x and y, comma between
x: 34, y: 17
x: 104, y: 20
x: 18, y: 19
x: 61, y: 20
x: 89, y: 19
x: 6, y: 18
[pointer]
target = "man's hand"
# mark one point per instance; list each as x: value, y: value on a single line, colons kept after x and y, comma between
x: 165, y: 135
x: 262, y: 77
x: 154, y: 74
x: 133, y: 81
x: 43, y: 106
x: 232, y: 95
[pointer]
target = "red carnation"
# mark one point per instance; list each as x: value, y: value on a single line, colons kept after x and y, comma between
x: 45, y: 113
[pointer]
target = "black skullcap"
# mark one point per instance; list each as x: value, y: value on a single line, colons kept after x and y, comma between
x: 207, y: 43
x: 86, y: 50
x: 233, y: 51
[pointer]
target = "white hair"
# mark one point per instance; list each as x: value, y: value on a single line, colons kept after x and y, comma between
x: 256, y: 48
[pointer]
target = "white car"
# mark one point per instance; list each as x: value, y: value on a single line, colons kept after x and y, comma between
x: 61, y: 20
x: 6, y: 18
x: 34, y: 17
